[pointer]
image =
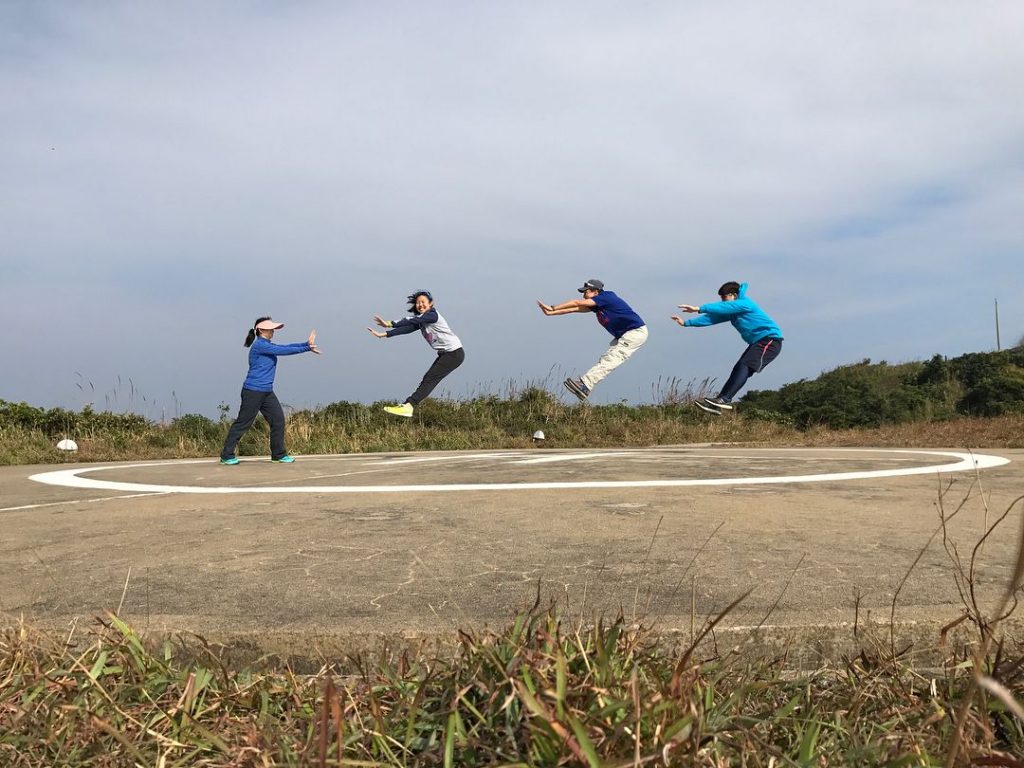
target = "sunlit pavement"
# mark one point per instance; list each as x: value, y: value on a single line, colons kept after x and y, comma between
x: 409, y: 544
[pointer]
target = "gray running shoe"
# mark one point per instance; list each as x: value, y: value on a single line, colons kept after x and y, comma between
x: 577, y: 387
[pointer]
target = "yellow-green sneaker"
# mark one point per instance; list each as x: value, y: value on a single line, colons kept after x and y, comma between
x: 405, y: 409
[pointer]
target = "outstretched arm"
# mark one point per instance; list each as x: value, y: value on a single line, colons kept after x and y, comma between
x: 267, y: 347
x: 405, y: 325
x: 722, y: 310
x: 567, y: 307
x: 703, y: 318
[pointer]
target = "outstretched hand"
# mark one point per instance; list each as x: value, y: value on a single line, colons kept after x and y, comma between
x: 679, y: 320
x: 547, y: 309
x: 312, y: 343
x: 381, y: 321
x: 689, y: 308
x: 378, y: 334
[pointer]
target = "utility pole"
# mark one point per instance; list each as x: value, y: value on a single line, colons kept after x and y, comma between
x: 998, y: 348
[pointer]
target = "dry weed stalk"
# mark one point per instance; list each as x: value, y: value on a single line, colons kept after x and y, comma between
x: 987, y: 627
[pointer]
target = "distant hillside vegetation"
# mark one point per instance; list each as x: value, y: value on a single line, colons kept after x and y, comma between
x: 867, y: 394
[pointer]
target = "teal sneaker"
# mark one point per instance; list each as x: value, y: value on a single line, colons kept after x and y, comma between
x: 230, y: 462
x: 286, y: 459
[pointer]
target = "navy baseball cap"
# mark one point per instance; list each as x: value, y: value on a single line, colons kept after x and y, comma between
x: 591, y: 285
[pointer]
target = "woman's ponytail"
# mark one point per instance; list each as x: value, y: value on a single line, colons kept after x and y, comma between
x: 250, y: 337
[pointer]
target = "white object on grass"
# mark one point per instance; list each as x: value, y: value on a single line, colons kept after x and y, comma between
x: 67, y: 445
x: 538, y: 435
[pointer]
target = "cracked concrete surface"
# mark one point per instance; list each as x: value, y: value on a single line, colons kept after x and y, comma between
x: 350, y: 564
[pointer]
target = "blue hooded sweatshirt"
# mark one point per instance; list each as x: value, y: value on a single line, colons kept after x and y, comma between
x: 746, y: 317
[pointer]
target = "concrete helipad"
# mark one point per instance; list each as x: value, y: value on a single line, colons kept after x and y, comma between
x: 429, y: 542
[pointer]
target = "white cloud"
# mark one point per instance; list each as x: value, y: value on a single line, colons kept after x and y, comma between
x: 320, y: 160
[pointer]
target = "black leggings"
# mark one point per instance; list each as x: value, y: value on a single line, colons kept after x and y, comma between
x: 445, y: 363
x: 253, y: 404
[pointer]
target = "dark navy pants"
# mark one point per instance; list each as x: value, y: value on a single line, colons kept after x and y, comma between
x: 253, y: 404
x: 445, y: 363
x: 753, y: 360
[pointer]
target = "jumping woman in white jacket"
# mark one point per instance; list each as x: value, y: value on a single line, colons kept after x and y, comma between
x: 428, y: 321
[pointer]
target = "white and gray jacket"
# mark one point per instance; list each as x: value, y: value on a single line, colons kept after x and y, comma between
x: 433, y: 327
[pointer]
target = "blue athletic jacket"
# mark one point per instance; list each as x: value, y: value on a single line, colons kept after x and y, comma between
x: 263, y: 356
x: 746, y: 317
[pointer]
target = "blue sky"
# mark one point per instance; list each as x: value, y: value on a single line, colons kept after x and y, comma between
x: 172, y: 171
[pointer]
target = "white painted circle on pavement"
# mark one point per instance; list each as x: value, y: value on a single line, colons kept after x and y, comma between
x: 961, y: 462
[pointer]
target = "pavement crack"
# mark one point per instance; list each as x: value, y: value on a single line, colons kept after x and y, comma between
x: 411, y: 572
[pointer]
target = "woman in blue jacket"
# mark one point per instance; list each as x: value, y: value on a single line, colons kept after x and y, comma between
x: 258, y: 389
x: 763, y: 337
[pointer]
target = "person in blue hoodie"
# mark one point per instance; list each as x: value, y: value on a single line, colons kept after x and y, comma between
x: 763, y: 337
x: 258, y: 389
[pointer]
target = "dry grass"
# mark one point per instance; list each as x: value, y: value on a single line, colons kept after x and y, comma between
x: 999, y: 432
x: 541, y: 692
x: 490, y: 423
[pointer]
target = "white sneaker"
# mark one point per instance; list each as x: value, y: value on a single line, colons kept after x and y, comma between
x: 719, y: 403
x: 707, y: 408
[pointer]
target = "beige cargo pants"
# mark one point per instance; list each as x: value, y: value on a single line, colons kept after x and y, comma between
x: 619, y: 351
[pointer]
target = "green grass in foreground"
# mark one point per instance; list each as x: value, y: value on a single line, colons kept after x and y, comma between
x: 540, y: 693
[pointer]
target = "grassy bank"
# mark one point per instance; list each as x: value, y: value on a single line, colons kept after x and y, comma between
x: 29, y: 435
x: 975, y: 400
x: 541, y: 692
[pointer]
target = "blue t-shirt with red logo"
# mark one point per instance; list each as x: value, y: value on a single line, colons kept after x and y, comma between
x: 615, y: 315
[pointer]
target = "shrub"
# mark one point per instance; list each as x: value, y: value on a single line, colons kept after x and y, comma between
x: 997, y: 394
x: 868, y: 394
x: 54, y: 422
x: 196, y: 426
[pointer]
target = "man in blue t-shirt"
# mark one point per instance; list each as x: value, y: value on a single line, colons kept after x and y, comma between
x: 626, y: 327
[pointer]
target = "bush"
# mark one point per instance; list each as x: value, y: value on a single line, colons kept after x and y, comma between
x: 997, y: 394
x: 772, y: 417
x: 196, y: 426
x: 870, y: 394
x: 56, y: 422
